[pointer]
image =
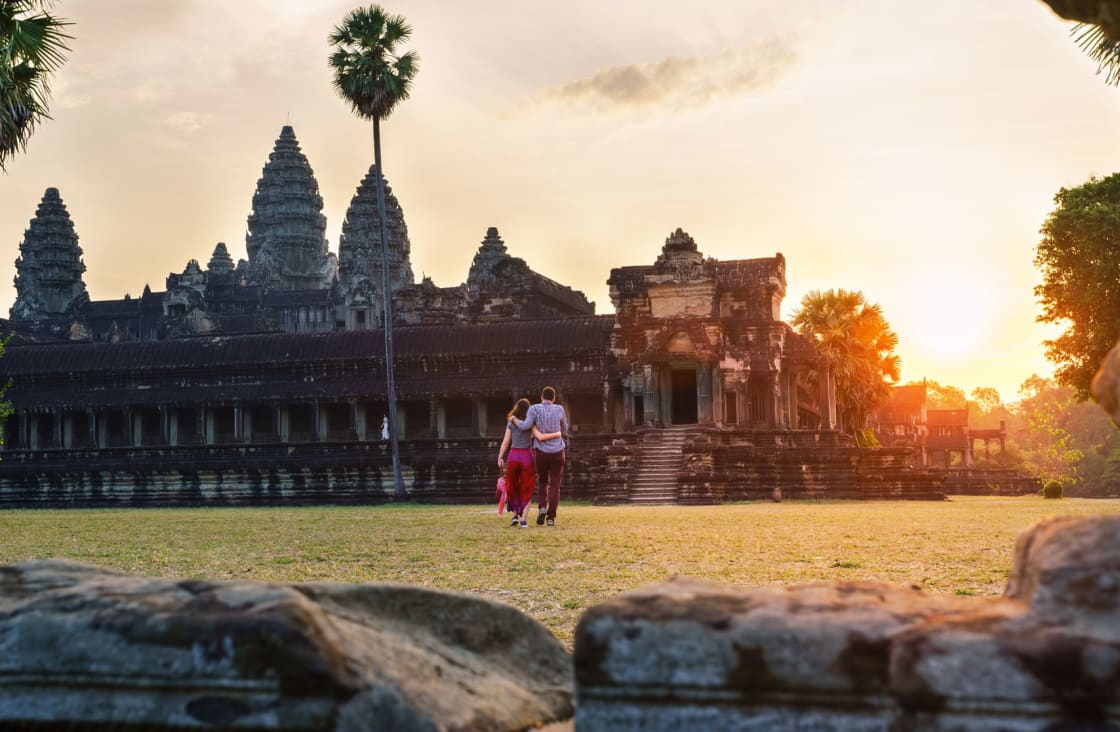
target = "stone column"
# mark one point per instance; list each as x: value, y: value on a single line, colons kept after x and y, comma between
x: 482, y: 416
x: 24, y: 433
x: 627, y: 406
x: 665, y: 397
x: 650, y: 399
x: 475, y: 411
x: 200, y: 425
x: 704, y: 409
x: 353, y: 427
x: 783, y: 399
x: 315, y: 427
x: 774, y: 412
x: 283, y: 423
x: 67, y: 430
x: 828, y: 397
x: 238, y: 425
x: 608, y: 407
x: 173, y: 426
x: 718, y: 414
x: 208, y: 436
x: 56, y: 428
x: 132, y: 434
x: 164, y: 427
x: 91, y: 428
x: 792, y: 386
x: 435, y: 418
x: 247, y: 424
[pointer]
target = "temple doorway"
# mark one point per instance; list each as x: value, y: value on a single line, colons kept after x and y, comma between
x: 683, y: 382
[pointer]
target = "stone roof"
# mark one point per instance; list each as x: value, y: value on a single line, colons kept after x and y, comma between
x: 740, y: 274
x: 567, y: 335
x: 293, y: 298
x: 946, y: 417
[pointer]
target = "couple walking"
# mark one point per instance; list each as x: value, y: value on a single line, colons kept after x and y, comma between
x: 535, y: 440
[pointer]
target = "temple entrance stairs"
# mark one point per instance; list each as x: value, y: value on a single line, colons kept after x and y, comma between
x: 659, y: 462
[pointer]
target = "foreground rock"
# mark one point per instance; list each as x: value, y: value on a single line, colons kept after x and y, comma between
x: 865, y: 656
x: 82, y: 647
x: 1106, y: 384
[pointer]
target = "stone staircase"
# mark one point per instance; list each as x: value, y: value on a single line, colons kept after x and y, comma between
x: 659, y: 462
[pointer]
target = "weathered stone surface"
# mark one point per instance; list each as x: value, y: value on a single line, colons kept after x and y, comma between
x: 1106, y: 383
x: 690, y: 654
x: 84, y: 646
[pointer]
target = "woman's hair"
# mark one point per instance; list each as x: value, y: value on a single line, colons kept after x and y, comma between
x: 520, y: 410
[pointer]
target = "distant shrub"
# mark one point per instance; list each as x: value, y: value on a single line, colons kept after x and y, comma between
x: 1052, y: 489
x: 866, y: 438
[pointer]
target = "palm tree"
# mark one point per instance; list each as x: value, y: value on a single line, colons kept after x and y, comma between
x: 859, y: 346
x: 32, y: 46
x: 374, y: 78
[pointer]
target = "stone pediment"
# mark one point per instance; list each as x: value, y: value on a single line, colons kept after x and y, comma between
x: 676, y: 300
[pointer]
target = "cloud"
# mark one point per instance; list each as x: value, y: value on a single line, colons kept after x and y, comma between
x: 677, y: 82
x: 187, y: 122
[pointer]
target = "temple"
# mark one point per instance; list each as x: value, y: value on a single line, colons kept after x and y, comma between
x: 262, y: 380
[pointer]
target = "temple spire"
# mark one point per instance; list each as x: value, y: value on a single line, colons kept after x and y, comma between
x: 286, y: 238
x: 490, y: 253
x: 359, y: 258
x: 49, y: 268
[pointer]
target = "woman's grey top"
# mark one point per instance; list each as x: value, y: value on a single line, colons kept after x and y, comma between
x: 520, y: 438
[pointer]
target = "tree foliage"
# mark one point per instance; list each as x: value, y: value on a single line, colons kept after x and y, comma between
x: 32, y: 47
x: 1079, y: 257
x: 1042, y: 430
x: 858, y: 343
x: 369, y: 73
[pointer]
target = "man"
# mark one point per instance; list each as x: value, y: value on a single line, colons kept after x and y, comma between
x: 547, y: 454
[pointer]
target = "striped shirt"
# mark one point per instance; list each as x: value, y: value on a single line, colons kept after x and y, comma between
x: 548, y: 417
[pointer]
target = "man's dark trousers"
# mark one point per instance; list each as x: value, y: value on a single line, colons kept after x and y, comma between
x: 550, y: 469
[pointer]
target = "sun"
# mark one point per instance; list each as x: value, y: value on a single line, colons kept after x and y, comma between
x: 946, y: 315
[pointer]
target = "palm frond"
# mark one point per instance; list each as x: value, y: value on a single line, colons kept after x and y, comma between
x: 368, y: 72
x: 1099, y: 47
x: 32, y: 46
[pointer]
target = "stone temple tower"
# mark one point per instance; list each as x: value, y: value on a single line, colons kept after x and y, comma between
x: 359, y: 253
x: 286, y: 239
x: 49, y: 268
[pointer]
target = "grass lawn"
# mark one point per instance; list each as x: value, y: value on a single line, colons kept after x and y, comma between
x: 961, y: 546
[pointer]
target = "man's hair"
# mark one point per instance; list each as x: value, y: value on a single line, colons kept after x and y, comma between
x: 548, y: 394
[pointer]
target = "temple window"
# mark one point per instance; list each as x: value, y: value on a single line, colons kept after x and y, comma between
x: 585, y: 410
x: 458, y: 417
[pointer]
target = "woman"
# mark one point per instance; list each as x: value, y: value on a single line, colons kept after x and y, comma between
x: 521, y: 476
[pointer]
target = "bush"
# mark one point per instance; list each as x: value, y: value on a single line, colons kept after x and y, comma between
x: 866, y: 438
x: 1052, y: 489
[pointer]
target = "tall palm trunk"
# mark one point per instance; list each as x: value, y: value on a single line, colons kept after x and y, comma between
x: 386, y: 286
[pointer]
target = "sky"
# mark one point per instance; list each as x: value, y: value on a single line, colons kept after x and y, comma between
x: 907, y: 150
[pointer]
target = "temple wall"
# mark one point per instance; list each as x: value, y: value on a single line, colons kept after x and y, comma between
x: 437, y: 471
x: 746, y: 466
x: 601, y: 468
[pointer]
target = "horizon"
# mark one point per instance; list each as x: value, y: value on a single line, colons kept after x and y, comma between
x: 922, y: 184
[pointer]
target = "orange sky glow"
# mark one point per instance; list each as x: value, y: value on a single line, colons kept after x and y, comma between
x: 907, y: 150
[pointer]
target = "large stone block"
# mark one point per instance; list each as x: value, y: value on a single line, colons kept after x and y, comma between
x: 865, y: 656
x: 88, y: 648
